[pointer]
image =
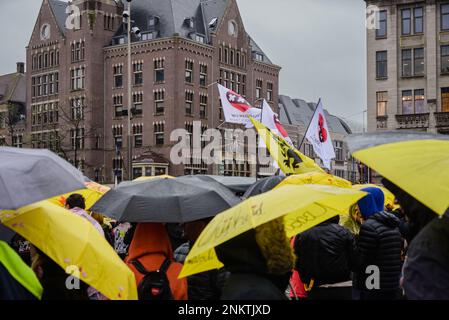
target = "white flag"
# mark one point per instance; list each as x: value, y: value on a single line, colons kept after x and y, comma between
x: 271, y: 121
x: 318, y: 135
x: 236, y: 109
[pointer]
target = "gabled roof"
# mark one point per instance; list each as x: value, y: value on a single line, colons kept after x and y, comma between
x: 173, y: 14
x: 299, y: 112
x: 59, y: 11
x: 13, y: 88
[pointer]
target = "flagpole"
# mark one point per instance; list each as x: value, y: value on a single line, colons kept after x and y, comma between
x: 258, y: 147
x: 305, y: 133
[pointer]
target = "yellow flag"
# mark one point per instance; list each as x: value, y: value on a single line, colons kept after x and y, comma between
x: 289, y: 159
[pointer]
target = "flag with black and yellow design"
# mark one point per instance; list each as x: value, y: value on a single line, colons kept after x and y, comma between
x: 289, y: 159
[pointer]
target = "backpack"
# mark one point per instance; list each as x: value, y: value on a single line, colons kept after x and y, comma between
x: 155, y: 284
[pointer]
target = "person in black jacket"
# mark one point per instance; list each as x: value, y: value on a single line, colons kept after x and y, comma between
x: 324, y: 258
x: 205, y: 285
x: 378, y: 256
x: 260, y: 262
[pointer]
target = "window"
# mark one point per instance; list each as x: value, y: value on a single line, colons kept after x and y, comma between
x: 444, y: 99
x: 203, y: 106
x: 382, y: 31
x: 269, y: 91
x: 77, y: 138
x: 159, y: 97
x: 189, y: 71
x: 382, y: 98
x: 77, y: 106
x: 418, y: 22
x: 17, y: 141
x: 138, y: 73
x: 138, y: 135
x: 77, y: 78
x: 415, y: 69
x: 159, y: 70
x: 148, y: 36
x: 381, y: 65
x: 232, y: 57
x: 137, y: 104
x: 159, y: 133
x: 153, y: 21
x: 44, y: 85
x: 407, y: 63
x: 77, y: 49
x: 419, y: 101
x: 137, y: 172
x: 200, y: 38
x: 259, y: 57
x: 406, y: 21
x: 407, y: 102
x: 418, y: 64
x: 117, y: 133
x: 226, y: 55
x: 339, y: 151
x: 118, y: 106
x: 444, y: 59
x: 259, y: 84
x: 189, y: 103
x: 445, y: 17
x: 118, y: 76
x: 203, y: 75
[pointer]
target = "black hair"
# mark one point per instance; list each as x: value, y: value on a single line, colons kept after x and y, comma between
x: 76, y: 201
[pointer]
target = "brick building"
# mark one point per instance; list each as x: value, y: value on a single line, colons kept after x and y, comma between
x: 77, y: 80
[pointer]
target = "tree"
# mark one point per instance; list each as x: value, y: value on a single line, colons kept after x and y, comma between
x: 11, y: 118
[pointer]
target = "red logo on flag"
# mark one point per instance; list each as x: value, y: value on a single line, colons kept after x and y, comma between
x: 322, y: 132
x: 237, y: 101
x: 280, y: 127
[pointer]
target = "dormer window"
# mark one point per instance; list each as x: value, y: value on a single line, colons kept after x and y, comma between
x: 259, y: 57
x: 190, y: 22
x: 148, y: 36
x: 213, y: 23
x: 200, y: 38
x: 153, y: 21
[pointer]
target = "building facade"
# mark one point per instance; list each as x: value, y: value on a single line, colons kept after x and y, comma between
x: 78, y: 80
x: 12, y: 107
x: 408, y: 66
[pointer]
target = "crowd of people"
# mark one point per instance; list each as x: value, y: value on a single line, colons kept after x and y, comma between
x: 376, y: 252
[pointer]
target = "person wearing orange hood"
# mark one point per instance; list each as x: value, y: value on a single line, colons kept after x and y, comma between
x: 151, y: 247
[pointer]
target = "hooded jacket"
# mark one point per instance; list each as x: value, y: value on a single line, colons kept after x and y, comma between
x: 260, y: 263
x: 379, y: 244
x: 325, y: 253
x: 151, y: 246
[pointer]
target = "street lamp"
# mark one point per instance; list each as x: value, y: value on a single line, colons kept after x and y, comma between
x: 130, y: 31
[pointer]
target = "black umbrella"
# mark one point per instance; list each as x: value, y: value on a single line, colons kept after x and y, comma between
x: 178, y: 200
x: 235, y: 184
x: 31, y: 175
x: 262, y: 186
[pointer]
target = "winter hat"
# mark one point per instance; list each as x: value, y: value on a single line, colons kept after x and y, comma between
x: 372, y: 203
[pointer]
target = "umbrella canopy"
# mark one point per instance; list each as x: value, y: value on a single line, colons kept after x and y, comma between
x: 91, y: 194
x: 177, y: 200
x: 31, y: 175
x: 72, y: 241
x: 417, y: 163
x: 235, y: 184
x: 322, y: 178
x: 262, y: 186
x: 302, y: 206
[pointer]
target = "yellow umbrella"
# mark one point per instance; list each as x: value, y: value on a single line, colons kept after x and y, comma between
x: 302, y: 206
x: 72, y: 241
x: 389, y: 196
x: 419, y: 166
x: 316, y: 178
x: 165, y: 176
x: 92, y: 194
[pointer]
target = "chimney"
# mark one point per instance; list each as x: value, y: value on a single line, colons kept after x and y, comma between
x: 20, y: 67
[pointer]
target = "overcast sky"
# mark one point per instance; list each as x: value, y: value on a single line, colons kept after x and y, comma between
x: 320, y: 45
